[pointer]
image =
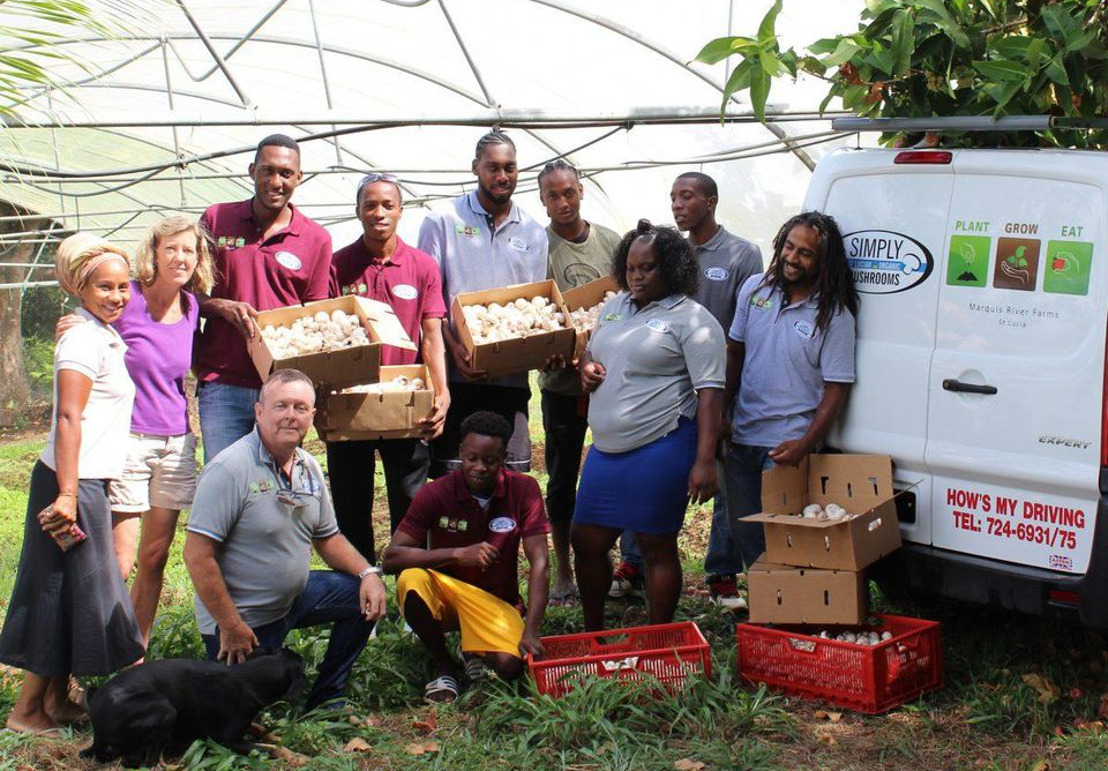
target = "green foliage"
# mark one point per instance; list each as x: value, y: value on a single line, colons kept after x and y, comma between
x: 209, y: 755
x: 921, y: 58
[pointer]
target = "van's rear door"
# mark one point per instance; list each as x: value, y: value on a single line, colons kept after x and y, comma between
x: 1016, y: 385
x: 893, y: 220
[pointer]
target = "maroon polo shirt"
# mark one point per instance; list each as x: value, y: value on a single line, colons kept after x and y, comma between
x: 289, y: 268
x: 445, y: 515
x: 409, y: 282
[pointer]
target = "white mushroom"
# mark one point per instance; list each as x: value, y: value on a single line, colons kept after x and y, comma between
x: 812, y: 511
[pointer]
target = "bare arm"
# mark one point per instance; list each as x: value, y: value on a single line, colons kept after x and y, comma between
x: 73, y: 392
x: 236, y: 639
x: 405, y: 552
x: 592, y: 373
x: 703, y: 484
x: 830, y: 405
x: 460, y: 355
x: 238, y: 314
x: 433, y: 350
x: 340, y: 555
x: 538, y: 586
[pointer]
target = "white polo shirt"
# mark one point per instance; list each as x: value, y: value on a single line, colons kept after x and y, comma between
x: 95, y: 350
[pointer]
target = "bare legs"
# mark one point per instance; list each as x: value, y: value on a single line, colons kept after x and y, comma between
x: 663, y: 574
x: 43, y: 705
x: 563, y: 576
x: 158, y: 528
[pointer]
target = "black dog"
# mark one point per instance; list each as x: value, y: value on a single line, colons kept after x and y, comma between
x: 165, y: 705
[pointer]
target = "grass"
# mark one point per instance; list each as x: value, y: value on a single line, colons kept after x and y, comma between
x: 991, y: 714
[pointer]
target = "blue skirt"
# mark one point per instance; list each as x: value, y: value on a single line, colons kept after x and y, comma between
x: 645, y: 490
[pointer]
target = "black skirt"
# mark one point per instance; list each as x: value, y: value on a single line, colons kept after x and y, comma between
x: 69, y: 612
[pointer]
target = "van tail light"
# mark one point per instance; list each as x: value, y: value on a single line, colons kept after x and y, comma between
x: 1104, y: 414
x: 924, y: 156
x: 1063, y: 597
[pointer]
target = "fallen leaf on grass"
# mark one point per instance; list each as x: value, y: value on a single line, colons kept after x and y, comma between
x: 421, y: 748
x: 1042, y: 765
x: 819, y: 714
x: 357, y: 744
x: 294, y: 759
x: 834, y: 717
x: 428, y: 726
x: 688, y: 764
x: 1048, y: 691
x: 827, y: 739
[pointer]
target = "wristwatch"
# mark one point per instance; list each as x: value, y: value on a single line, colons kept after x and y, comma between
x: 371, y: 570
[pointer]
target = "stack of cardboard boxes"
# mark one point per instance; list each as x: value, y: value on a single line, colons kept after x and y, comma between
x: 813, y: 571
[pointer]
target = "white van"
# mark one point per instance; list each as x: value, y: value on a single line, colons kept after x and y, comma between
x: 981, y: 364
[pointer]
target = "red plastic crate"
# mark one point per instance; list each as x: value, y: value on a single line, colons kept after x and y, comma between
x: 667, y: 653
x: 865, y: 678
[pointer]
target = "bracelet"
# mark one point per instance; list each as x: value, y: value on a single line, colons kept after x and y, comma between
x: 371, y: 570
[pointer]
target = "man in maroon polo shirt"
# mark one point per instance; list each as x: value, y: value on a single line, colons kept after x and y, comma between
x: 267, y: 255
x: 380, y: 266
x: 457, y: 553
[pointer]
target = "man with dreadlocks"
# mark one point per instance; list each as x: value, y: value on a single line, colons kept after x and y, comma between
x: 790, y: 361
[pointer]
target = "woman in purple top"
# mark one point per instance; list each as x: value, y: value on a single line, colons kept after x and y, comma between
x: 159, y: 474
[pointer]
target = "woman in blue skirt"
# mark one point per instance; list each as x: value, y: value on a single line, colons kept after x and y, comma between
x: 654, y: 369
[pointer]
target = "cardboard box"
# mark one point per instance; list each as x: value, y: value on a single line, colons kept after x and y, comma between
x: 391, y: 415
x: 586, y: 296
x: 345, y: 366
x: 861, y: 484
x: 780, y: 594
x: 509, y: 357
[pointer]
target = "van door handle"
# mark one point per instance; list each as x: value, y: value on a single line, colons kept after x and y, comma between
x: 950, y: 384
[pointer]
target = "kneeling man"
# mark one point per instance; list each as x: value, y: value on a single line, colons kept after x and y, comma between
x: 457, y: 553
x: 260, y: 507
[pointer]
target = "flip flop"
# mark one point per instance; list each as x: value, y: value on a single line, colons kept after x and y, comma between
x: 476, y: 668
x: 442, y: 689
x: 45, y: 733
x: 563, y: 598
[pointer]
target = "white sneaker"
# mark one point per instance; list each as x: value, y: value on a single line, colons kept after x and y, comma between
x: 733, y: 603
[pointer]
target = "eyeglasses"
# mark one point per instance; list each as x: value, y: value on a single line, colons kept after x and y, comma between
x: 369, y: 179
x: 295, y: 499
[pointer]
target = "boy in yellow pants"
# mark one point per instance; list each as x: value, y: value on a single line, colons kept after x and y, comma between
x: 457, y: 553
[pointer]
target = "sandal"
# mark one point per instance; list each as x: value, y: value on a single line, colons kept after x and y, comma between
x: 476, y: 668
x: 442, y: 689
x: 563, y: 598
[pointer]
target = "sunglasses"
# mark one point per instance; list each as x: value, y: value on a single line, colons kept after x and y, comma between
x: 369, y: 179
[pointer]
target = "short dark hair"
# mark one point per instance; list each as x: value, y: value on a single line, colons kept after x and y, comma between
x: 486, y: 423
x: 287, y: 375
x: 676, y: 258
x: 277, y: 140
x: 558, y: 164
x: 835, y: 286
x: 494, y: 137
x: 706, y: 184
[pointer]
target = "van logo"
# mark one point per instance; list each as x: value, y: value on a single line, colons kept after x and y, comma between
x: 884, y: 261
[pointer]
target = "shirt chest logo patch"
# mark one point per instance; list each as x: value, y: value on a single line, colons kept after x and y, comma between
x: 613, y: 317
x: 502, y: 525
x: 657, y: 325
x: 761, y: 303
x: 405, y: 291
x: 717, y: 274
x: 289, y: 260
x: 467, y: 231
x: 355, y: 289
x: 518, y: 244
x: 230, y: 243
x: 805, y: 329
x: 453, y: 525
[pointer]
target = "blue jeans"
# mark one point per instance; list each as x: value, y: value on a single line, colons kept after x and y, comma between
x: 327, y: 597
x: 226, y: 415
x: 743, y: 477
x: 722, y: 559
x: 629, y: 549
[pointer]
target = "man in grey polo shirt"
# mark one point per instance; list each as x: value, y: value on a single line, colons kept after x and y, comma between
x: 259, y: 508
x: 483, y: 240
x: 726, y: 262
x: 790, y: 363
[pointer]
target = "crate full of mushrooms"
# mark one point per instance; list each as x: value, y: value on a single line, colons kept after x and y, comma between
x: 391, y: 408
x: 585, y: 302
x: 515, y: 328
x: 335, y: 342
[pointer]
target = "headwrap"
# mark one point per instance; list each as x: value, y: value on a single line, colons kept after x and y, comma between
x: 80, y: 255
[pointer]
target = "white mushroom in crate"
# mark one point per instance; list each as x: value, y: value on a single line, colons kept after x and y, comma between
x: 520, y: 318
x: 319, y: 332
x: 398, y: 384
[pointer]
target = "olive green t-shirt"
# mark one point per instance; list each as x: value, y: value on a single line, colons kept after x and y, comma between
x: 572, y: 265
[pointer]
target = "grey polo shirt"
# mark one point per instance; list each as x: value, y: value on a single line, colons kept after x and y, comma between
x: 474, y: 254
x: 265, y: 524
x: 726, y: 262
x: 787, y: 362
x: 656, y: 358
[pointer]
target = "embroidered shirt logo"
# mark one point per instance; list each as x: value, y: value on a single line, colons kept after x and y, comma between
x: 405, y: 291
x: 761, y: 303
x: 502, y: 525
x: 717, y: 274
x: 289, y: 260
x: 518, y: 244
x: 805, y: 329
x: 658, y: 325
x: 468, y: 231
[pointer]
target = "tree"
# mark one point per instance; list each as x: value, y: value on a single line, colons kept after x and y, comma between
x: 37, y: 24
x: 922, y: 58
